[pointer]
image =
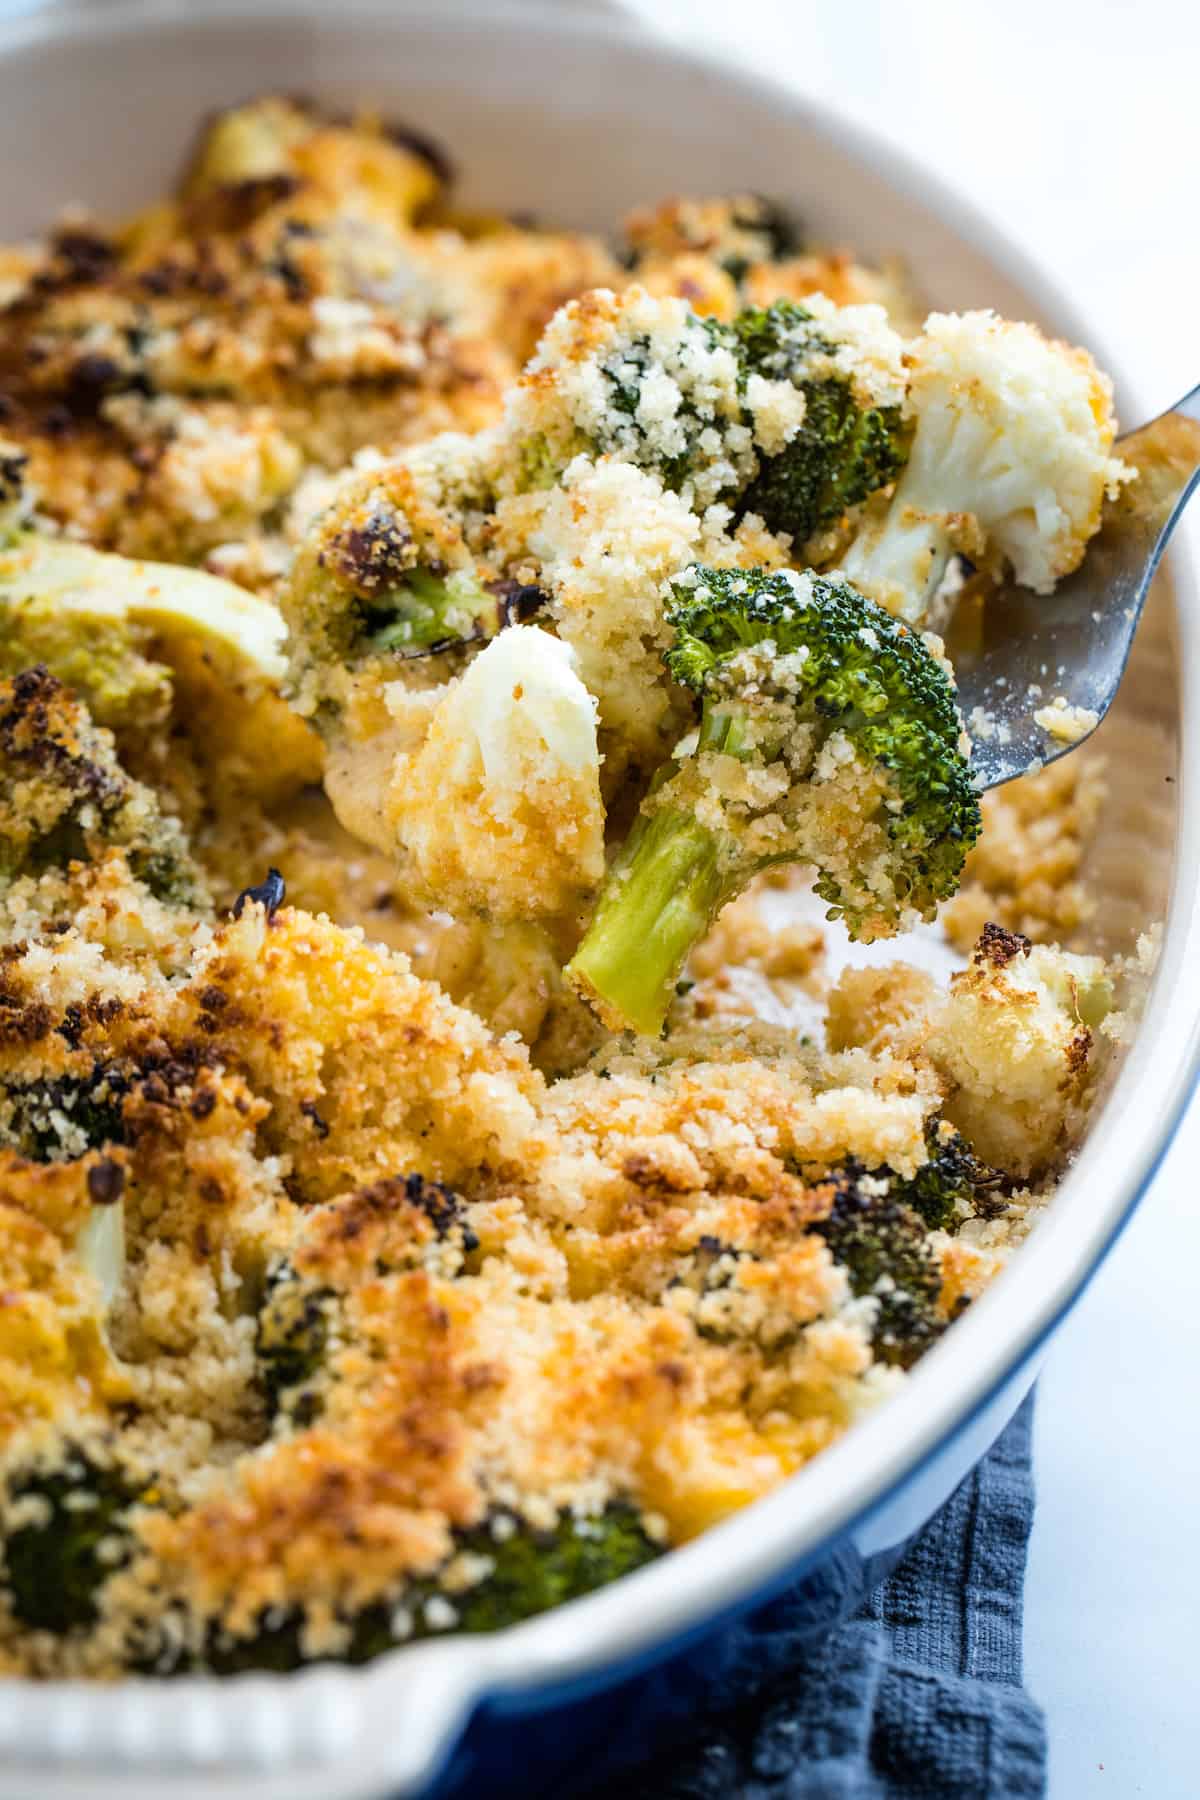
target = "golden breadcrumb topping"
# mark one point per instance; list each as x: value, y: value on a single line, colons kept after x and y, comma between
x: 358, y: 1284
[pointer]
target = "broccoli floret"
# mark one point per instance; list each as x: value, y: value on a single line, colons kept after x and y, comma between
x: 56, y: 1120
x: 67, y: 798
x: 291, y: 1340
x: 426, y: 612
x: 791, y: 412
x: 629, y: 431
x: 56, y: 1564
x: 827, y: 734
x: 847, y: 445
x: 637, y: 378
x: 530, y: 1571
x: 952, y: 1185
x: 399, y: 1222
x: 386, y: 576
x: 760, y: 231
x: 882, y: 1244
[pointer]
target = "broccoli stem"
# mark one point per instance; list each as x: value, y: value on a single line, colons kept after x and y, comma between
x: 428, y: 613
x: 664, y: 891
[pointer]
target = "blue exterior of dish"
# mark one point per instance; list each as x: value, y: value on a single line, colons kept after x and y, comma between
x: 542, y: 1741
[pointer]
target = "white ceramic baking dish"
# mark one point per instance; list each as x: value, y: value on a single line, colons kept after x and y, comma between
x: 579, y: 116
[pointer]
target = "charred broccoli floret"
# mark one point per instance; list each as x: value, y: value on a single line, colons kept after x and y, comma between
x: 827, y: 734
x: 76, y: 1535
x: 852, y: 438
x: 67, y: 798
x: 527, y: 1572
x: 386, y: 576
x: 952, y: 1185
x: 882, y: 1244
x: 736, y: 232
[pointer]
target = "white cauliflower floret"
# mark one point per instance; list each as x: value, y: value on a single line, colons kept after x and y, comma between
x: 1010, y: 462
x: 1015, y: 1041
x: 603, y: 544
x: 499, y: 809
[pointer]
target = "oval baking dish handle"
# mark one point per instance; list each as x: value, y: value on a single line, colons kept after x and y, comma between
x: 330, y: 1733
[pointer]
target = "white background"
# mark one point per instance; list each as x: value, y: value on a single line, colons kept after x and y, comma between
x: 1077, y: 127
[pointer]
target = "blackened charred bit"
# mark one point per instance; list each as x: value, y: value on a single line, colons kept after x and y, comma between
x: 93, y: 377
x: 517, y: 601
x: 1000, y: 947
x: 80, y: 258
x: 71, y: 1029
x: 234, y: 206
x: 309, y: 1109
x: 375, y: 555
x: 269, y: 893
x: 58, y: 421
x: 427, y: 148
x: 442, y: 1207
x: 105, y: 1182
x: 12, y: 473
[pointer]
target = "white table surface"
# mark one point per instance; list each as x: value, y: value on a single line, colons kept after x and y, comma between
x: 1077, y: 126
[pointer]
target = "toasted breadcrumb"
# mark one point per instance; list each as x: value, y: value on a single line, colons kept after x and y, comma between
x: 341, y: 1249
x: 1025, y: 873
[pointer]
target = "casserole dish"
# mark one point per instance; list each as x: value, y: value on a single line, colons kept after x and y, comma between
x: 581, y: 118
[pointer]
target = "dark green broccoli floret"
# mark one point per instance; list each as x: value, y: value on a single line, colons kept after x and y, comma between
x: 845, y: 448
x: 55, y: 1566
x: 952, y: 1186
x: 407, y: 1222
x: 531, y: 1572
x: 882, y: 1244
x: 57, y: 1120
x: 781, y: 663
x: 292, y: 1335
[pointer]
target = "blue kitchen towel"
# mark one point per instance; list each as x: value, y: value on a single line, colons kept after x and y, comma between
x: 918, y: 1697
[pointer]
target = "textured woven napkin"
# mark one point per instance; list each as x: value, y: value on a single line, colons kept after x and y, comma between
x: 916, y: 1697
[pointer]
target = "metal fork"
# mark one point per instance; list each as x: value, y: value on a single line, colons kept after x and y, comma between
x: 1014, y: 651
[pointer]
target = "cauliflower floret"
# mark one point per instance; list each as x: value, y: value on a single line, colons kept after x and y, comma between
x: 499, y: 806
x: 1009, y: 463
x: 1015, y: 1039
x: 604, y: 542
